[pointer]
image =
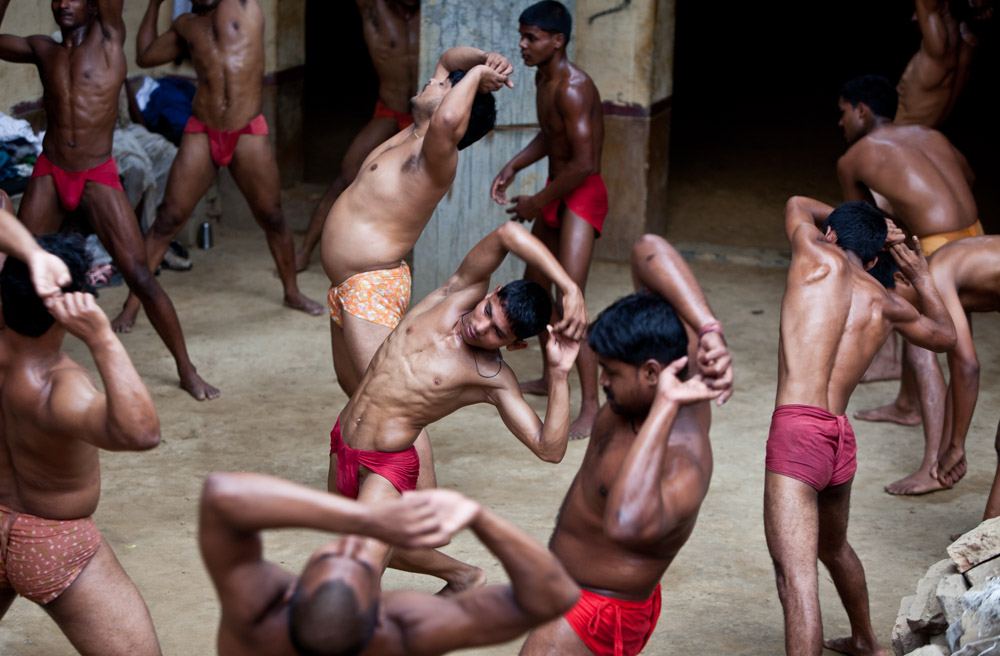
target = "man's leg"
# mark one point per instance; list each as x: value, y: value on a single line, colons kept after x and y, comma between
x: 256, y: 174
x: 7, y: 597
x: 550, y: 237
x: 190, y: 176
x: 110, y: 215
x: 102, y: 612
x: 905, y: 409
x: 931, y: 391
x: 576, y: 247
x: 555, y: 637
x: 887, y: 362
x: 993, y: 501
x: 375, y: 132
x: 40, y: 210
x: 846, y: 571
x: 791, y: 526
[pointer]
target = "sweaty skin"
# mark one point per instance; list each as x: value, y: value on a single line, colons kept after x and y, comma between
x: 834, y: 317
x: 392, y: 33
x: 445, y: 355
x: 54, y: 421
x: 938, y: 71
x: 225, y: 41
x: 572, y: 137
x: 635, y: 499
x: 255, y: 593
x: 82, y: 78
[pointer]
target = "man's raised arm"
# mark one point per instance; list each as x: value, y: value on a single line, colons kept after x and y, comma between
x: 48, y: 272
x: 13, y: 48
x: 151, y: 49
x: 540, y: 590
x: 932, y: 328
x: 933, y: 31
x: 657, y: 266
x: 487, y: 256
x: 109, y: 13
x: 654, y: 492
x: 802, y: 210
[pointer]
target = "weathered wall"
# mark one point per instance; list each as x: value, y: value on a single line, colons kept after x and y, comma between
x: 467, y: 214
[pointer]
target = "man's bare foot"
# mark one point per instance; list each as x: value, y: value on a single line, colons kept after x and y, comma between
x: 468, y: 580
x: 299, y: 301
x: 890, y: 413
x: 125, y: 320
x: 198, y: 388
x: 851, y: 646
x: 919, y: 482
x: 951, y: 466
x: 883, y: 368
x: 538, y: 387
x: 301, y: 261
x: 582, y: 425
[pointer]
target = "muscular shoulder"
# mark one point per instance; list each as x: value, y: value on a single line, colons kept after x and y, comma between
x: 576, y: 91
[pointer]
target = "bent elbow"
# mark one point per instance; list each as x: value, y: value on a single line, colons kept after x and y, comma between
x: 147, y: 440
x: 553, y: 458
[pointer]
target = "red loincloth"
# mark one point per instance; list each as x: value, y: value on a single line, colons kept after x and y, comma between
x: 811, y: 445
x: 403, y: 120
x: 222, y: 143
x: 614, y: 627
x: 70, y: 184
x: 398, y: 467
x: 589, y: 201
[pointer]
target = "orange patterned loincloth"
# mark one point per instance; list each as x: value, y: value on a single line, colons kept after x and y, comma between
x: 379, y: 296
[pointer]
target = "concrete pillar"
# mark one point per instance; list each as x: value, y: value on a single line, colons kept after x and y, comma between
x: 467, y: 214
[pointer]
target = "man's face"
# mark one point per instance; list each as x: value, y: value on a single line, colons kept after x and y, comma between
x: 69, y: 14
x: 623, y: 387
x: 486, y: 325
x: 850, y: 120
x: 432, y: 94
x: 537, y: 46
x: 203, y: 6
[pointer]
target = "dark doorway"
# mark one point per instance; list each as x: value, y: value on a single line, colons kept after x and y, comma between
x: 340, y: 86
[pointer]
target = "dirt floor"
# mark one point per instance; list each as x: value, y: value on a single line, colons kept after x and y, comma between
x: 279, y: 400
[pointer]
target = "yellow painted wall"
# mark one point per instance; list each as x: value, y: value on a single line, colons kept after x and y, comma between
x: 19, y: 82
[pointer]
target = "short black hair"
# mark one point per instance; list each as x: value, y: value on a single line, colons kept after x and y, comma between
x: 527, y: 306
x: 549, y: 15
x: 875, y: 91
x: 860, y: 228
x: 483, y: 116
x: 884, y: 270
x: 637, y: 328
x: 330, y: 621
x: 23, y: 311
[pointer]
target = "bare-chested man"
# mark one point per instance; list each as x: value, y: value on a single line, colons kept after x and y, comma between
x: 82, y: 77
x: 570, y: 210
x: 225, y: 40
x: 392, y: 34
x: 938, y: 71
x: 916, y: 174
x: 336, y: 606
x: 634, y: 502
x: 379, y: 217
x: 834, y: 317
x: 54, y: 421
x: 445, y: 355
x: 966, y: 274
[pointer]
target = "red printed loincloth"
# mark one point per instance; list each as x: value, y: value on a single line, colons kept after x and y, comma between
x: 398, y: 467
x: 589, y: 201
x: 70, y: 184
x: 614, y: 627
x: 812, y: 445
x: 40, y: 558
x: 403, y: 120
x: 222, y: 143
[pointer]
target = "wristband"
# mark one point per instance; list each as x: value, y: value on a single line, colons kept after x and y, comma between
x: 712, y: 327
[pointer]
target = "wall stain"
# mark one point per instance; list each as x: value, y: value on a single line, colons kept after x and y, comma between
x: 614, y: 10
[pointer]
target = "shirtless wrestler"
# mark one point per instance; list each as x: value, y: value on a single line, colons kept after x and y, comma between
x: 966, y: 274
x: 378, y: 218
x: 445, y: 355
x: 54, y: 421
x: 392, y: 34
x: 635, y: 500
x: 335, y: 605
x: 834, y: 317
x: 82, y: 78
x: 225, y: 40
x: 574, y: 202
x: 938, y: 71
x: 916, y: 174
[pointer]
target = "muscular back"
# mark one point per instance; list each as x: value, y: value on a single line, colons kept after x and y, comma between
x: 42, y: 472
x: 918, y: 171
x: 227, y: 50
x: 972, y: 267
x: 568, y: 96
x: 593, y: 559
x: 81, y: 87
x: 831, y: 325
x: 393, y: 41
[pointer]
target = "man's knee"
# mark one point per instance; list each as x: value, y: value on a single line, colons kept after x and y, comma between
x: 169, y: 220
x: 273, y: 220
x: 140, y: 280
x: 831, y: 551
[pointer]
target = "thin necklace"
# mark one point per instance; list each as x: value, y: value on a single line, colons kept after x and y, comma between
x: 481, y: 374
